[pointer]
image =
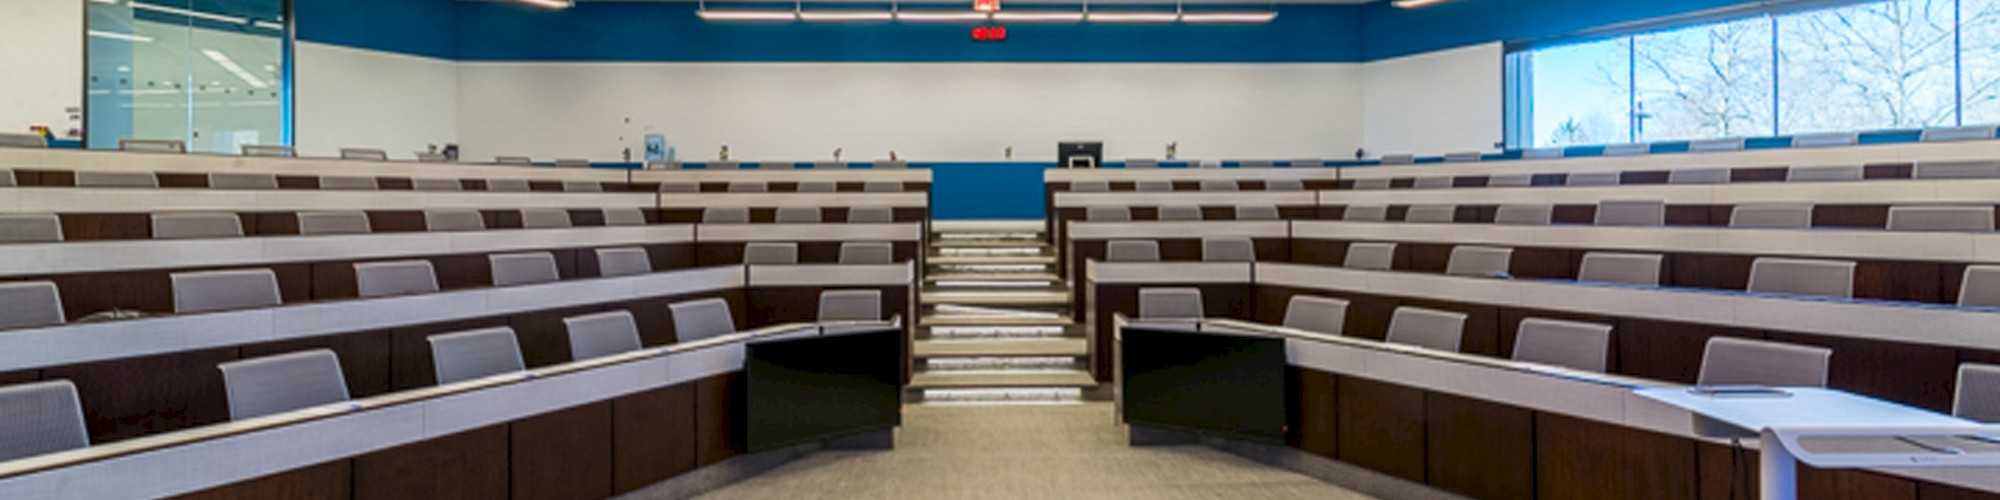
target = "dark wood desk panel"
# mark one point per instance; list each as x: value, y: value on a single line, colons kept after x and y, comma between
x: 562, y: 454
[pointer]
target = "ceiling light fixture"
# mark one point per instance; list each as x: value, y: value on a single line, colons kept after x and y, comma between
x: 120, y: 36
x: 846, y: 16
x: 550, y: 4
x: 1413, y: 4
x: 748, y: 15
x: 940, y: 16
x: 1030, y: 16
x: 1229, y: 17
x: 1132, y: 17
x: 230, y: 65
x: 189, y: 13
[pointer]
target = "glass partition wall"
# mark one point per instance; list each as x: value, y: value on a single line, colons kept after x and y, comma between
x: 212, y: 73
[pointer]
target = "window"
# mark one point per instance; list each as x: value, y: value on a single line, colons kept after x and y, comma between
x: 211, y: 74
x: 1892, y: 64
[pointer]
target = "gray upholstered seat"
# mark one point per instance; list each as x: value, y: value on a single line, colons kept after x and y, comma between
x: 725, y: 215
x: 1771, y: 215
x: 1153, y: 186
x: 1218, y: 185
x: 1370, y: 256
x: 1592, y: 179
x: 30, y: 228
x: 1228, y: 250
x: 867, y: 252
x: 1180, y: 213
x: 623, y: 261
x: 363, y: 154
x: 1375, y: 184
x: 850, y: 305
x: 1307, y: 163
x: 1463, y: 157
x: 882, y: 187
x: 1649, y: 213
x: 1399, y: 159
x: 1715, y: 145
x: 513, y: 160
x: 429, y: 157
x: 472, y: 354
x: 767, y: 254
x: 1976, y: 219
x: 1830, y: 173
x: 196, y: 225
x: 582, y: 186
x: 798, y: 215
x: 1257, y: 212
x: 522, y: 268
x: 1976, y: 398
x: 1365, y: 213
x: 1132, y: 251
x: 1430, y: 328
x: 1542, y: 153
x: 601, y: 334
x: 1950, y: 134
x: 1431, y: 213
x: 1628, y: 149
x: 41, y: 418
x: 1573, y: 344
x: 336, y: 182
x: 1170, y: 303
x: 152, y: 145
x: 680, y: 187
x: 1613, y: 267
x: 1107, y: 214
x: 699, y: 319
x: 889, y: 165
x: 1256, y: 164
x: 776, y: 165
x: 508, y: 185
x: 90, y: 179
x: 819, y: 187
x: 871, y: 215
x: 1285, y: 185
x: 1737, y: 361
x: 1089, y: 187
x: 334, y: 223
x: 572, y: 163
x: 227, y: 180
x: 22, y: 140
x: 1825, y: 278
x: 1316, y: 314
x: 544, y: 218
x: 285, y: 382
x: 748, y: 187
x: 1698, y: 176
x: 29, y: 304
x: 454, y: 219
x: 828, y: 165
x: 6, y: 174
x: 1510, y: 180
x: 1829, y: 139
x: 1479, y: 261
x: 1142, y: 163
x: 724, y: 165
x: 1525, y: 215
x: 200, y: 291
x: 401, y: 277
x: 1981, y: 287
x: 1982, y: 169
x: 1434, y: 182
x: 624, y: 217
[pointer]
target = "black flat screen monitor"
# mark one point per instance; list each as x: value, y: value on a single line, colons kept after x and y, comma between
x: 1217, y: 384
x: 817, y: 388
x: 1094, y: 150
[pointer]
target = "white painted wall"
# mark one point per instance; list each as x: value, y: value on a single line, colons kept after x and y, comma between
x: 1434, y: 103
x: 347, y: 97
x: 41, y: 49
x: 927, y: 112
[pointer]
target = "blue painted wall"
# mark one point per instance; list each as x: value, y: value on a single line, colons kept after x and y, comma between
x: 416, y: 27
x: 1390, y: 32
x: 987, y: 191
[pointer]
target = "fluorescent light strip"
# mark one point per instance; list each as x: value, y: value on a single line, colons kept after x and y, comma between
x: 1029, y: 16
x: 1412, y: 4
x: 1133, y: 17
x: 845, y: 16
x: 747, y: 15
x: 552, y: 4
x: 120, y: 36
x: 190, y: 13
x: 223, y: 60
x: 940, y: 16
x: 1228, y: 17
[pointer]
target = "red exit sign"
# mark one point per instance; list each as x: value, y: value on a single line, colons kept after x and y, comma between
x: 989, y: 33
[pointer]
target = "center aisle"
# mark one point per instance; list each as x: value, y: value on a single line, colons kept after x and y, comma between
x: 1025, y: 451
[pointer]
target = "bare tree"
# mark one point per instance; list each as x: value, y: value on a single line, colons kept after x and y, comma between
x: 1709, y: 81
x: 1874, y: 65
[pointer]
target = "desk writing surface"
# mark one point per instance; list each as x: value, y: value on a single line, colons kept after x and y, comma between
x: 1805, y: 407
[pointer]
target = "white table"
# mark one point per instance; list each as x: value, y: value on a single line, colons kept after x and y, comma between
x: 1783, y: 418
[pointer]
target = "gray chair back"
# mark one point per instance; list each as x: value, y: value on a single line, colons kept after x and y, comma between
x: 1479, y: 261
x: 1824, y: 278
x: 1090, y: 187
x: 196, y: 225
x: 1832, y: 173
x: 771, y: 254
x: 572, y: 163
x: 1463, y: 157
x: 6, y: 175
x: 429, y: 157
x: 776, y: 165
x: 1950, y: 134
x: 1715, y: 145
x: 1698, y: 176
x: 623, y: 261
x: 700, y: 319
x: 363, y: 154
x: 882, y: 187
x: 1107, y: 214
x: 334, y: 223
x: 1399, y: 159
x: 819, y: 187
x: 1132, y: 251
x: 1572, y: 344
x: 201, y: 291
x: 582, y: 186
x: 724, y: 165
x: 748, y: 187
x: 27, y: 304
x: 522, y: 268
x: 1628, y: 149
x: 401, y: 277
x: 1829, y: 139
x: 1284, y: 185
x: 1738, y: 361
x: 1429, y: 328
x: 1510, y: 180
x: 41, y: 418
x: 1592, y: 179
x: 276, y: 384
x: 544, y: 218
x: 1375, y: 184
x: 624, y: 217
x: 1153, y: 186
x: 1771, y: 215
x: 242, y: 181
x: 472, y: 354
x: 22, y: 140
x: 508, y: 185
x: 1370, y: 256
x: 871, y: 215
x: 1434, y: 182
x: 798, y: 215
x: 1613, y: 267
x: 1525, y: 215
x: 1648, y: 213
x: 1142, y: 163
x: 333, y: 182
x: 89, y: 179
x: 1365, y: 213
x: 1218, y: 185
x: 1256, y: 164
x: 680, y: 187
x: 1316, y: 314
x: 1228, y: 250
x: 513, y: 160
x: 1981, y: 169
x: 1981, y: 287
x: 1431, y: 213
x: 1977, y: 397
x: 828, y: 165
x: 602, y: 334
x: 30, y: 228
x: 850, y: 305
x: 1170, y: 303
x: 726, y: 215
x: 867, y: 252
x: 1307, y: 163
x: 1180, y: 213
x: 889, y: 165
x: 1974, y: 219
x: 1542, y: 153
x: 1256, y: 212
x: 152, y: 145
x: 454, y: 219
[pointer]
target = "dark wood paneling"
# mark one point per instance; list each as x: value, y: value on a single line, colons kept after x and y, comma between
x: 1659, y: 350
x: 1902, y: 281
x: 1482, y: 325
x: 1381, y: 427
x: 329, y: 481
x: 1574, y: 214
x: 1313, y: 411
x: 134, y: 397
x: 1913, y: 374
x: 364, y: 358
x: 562, y: 454
x: 1726, y: 472
x: 652, y: 436
x: 719, y: 407
x: 1586, y: 460
x: 470, y: 465
x: 106, y: 226
x: 1479, y: 449
x: 1934, y: 491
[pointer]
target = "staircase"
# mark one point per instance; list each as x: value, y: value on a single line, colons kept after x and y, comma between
x: 995, y: 325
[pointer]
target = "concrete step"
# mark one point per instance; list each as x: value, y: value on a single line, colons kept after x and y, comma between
x: 951, y: 276
x: 1060, y: 346
x: 939, y: 260
x: 998, y: 298
x: 1063, y: 378
x: 942, y: 243
x: 995, y: 320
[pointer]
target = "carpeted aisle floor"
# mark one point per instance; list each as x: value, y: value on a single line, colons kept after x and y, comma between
x: 1025, y: 452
